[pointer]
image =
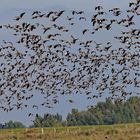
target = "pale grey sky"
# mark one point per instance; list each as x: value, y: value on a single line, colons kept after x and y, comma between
x: 71, y: 4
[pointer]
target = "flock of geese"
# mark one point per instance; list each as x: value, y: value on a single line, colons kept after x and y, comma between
x: 49, y: 58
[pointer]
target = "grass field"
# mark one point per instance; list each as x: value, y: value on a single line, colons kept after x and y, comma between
x: 100, y: 132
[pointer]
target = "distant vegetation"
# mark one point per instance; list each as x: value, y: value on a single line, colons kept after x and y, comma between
x: 107, y: 112
x: 104, y: 113
x: 12, y: 124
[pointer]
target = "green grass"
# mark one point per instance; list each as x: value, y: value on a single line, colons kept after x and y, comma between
x: 100, y: 132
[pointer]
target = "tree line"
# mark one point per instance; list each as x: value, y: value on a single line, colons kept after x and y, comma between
x: 107, y: 112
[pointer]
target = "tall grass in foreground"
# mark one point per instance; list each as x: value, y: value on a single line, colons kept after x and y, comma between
x: 101, y: 132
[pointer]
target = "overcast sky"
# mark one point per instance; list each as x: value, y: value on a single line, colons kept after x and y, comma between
x: 71, y: 4
x: 8, y: 6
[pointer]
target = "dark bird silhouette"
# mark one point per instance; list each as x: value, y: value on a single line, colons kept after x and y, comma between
x: 20, y: 16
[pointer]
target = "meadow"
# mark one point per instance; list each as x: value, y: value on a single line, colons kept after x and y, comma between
x: 98, y: 132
